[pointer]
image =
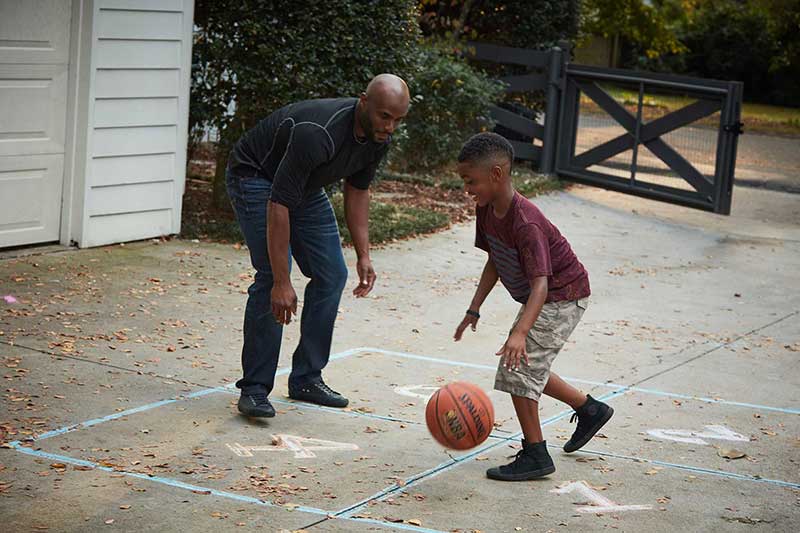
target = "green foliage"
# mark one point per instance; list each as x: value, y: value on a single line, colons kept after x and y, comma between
x: 754, y: 41
x: 638, y: 22
x: 518, y: 23
x: 251, y: 57
x: 535, y: 24
x: 784, y: 26
x: 389, y: 222
x: 730, y: 41
x: 450, y: 102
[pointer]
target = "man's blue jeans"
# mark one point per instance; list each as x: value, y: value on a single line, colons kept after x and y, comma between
x: 316, y: 247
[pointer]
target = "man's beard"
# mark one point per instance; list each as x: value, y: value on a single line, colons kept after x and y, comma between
x: 366, y: 125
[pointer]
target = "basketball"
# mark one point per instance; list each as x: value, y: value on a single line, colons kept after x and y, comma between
x: 459, y: 415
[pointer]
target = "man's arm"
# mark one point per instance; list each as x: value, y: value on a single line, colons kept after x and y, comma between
x: 488, y: 280
x: 308, y: 147
x: 284, y: 299
x: 356, y: 213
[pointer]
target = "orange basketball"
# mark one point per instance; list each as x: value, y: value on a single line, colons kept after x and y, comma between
x: 459, y: 415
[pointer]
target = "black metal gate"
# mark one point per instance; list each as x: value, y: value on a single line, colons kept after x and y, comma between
x: 665, y: 137
x: 533, y: 141
x: 612, y: 135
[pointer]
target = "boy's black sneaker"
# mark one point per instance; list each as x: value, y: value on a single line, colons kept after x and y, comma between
x: 531, y: 462
x: 255, y: 405
x: 591, y: 417
x: 319, y: 393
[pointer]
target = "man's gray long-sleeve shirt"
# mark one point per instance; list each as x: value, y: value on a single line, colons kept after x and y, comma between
x: 304, y: 146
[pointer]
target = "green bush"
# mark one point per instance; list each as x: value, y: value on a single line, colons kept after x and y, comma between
x: 263, y: 54
x: 753, y: 41
x: 518, y: 23
x: 450, y: 102
x: 536, y: 24
x: 251, y: 57
x: 728, y: 41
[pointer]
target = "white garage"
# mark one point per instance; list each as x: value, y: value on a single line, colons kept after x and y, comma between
x: 94, y: 100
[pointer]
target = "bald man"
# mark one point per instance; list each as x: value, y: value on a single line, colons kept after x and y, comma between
x: 275, y: 179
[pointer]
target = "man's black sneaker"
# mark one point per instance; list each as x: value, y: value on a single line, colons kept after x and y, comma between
x: 531, y: 462
x: 319, y: 393
x: 591, y: 417
x: 255, y: 405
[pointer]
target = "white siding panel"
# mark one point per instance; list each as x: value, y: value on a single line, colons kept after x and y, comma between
x: 139, y: 25
x: 130, y: 198
x: 135, y: 112
x: 132, y: 169
x: 136, y: 83
x: 34, y: 31
x: 119, y: 53
x: 127, y: 227
x: 140, y: 79
x: 130, y: 141
x: 143, y: 5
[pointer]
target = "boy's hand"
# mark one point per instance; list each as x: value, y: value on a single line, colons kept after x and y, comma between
x: 468, y: 320
x: 513, y: 351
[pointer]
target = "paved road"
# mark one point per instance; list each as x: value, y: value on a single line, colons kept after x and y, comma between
x: 762, y: 161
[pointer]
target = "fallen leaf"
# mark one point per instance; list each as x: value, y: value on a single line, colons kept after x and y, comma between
x: 414, y: 522
x: 124, y: 507
x: 746, y: 520
x: 109, y: 521
x: 730, y: 453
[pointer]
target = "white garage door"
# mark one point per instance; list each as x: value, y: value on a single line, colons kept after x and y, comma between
x: 34, y: 60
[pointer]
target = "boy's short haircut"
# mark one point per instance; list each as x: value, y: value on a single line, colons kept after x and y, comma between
x: 485, y: 145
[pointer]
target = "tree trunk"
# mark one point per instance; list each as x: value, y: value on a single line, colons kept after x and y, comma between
x: 462, y: 19
x: 219, y: 192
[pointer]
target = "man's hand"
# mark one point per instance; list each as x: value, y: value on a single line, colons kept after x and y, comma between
x: 366, y: 277
x: 513, y: 351
x: 284, y: 302
x: 468, y: 320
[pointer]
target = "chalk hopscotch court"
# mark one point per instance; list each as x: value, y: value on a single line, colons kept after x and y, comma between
x: 375, y: 466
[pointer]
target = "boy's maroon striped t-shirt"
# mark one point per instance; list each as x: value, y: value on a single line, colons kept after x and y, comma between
x: 524, y: 245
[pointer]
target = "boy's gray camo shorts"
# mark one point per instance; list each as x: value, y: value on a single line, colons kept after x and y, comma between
x: 553, y: 327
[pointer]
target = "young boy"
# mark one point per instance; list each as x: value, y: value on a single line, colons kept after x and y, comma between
x: 537, y: 266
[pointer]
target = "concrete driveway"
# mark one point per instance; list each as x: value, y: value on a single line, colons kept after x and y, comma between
x: 118, y: 411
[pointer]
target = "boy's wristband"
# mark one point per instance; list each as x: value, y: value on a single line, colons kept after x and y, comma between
x: 476, y: 314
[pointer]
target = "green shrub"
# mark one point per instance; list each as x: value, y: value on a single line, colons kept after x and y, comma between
x: 263, y: 54
x: 450, y: 102
x: 251, y: 57
x: 519, y: 23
